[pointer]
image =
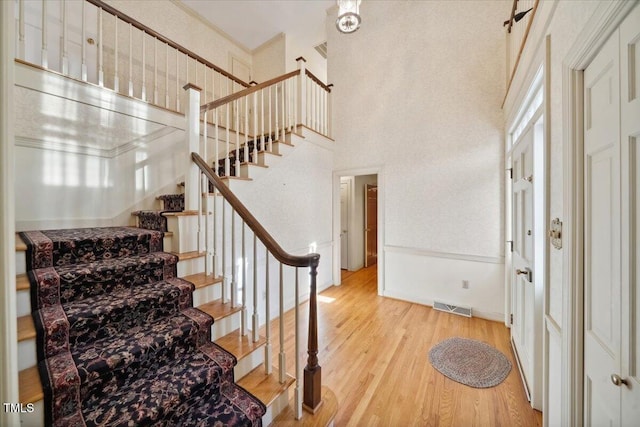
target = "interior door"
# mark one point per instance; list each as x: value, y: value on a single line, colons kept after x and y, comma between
x: 602, y: 269
x: 344, y: 225
x: 523, y: 289
x: 371, y: 224
x: 630, y: 154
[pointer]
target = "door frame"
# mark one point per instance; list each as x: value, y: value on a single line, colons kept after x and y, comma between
x: 538, y: 84
x: 606, y: 18
x: 349, y: 183
x: 374, y: 170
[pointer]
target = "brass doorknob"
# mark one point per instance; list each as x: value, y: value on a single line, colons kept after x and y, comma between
x: 618, y: 381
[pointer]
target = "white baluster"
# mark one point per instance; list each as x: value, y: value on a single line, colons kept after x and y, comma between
x: 216, y: 149
x: 302, y: 91
x: 256, y: 319
x: 246, y: 129
x: 298, y: 389
x: 155, y: 74
x: 130, y: 60
x: 116, y: 80
x: 295, y: 101
x: 237, y: 121
x: 255, y: 127
x: 166, y: 76
x: 282, y: 358
x: 100, y: 50
x: 234, y: 266
x: 268, y: 363
x: 83, y: 43
x: 21, y: 29
x: 243, y: 314
x: 276, y: 111
x: 224, y: 249
x: 282, y: 111
x: 262, y: 129
x: 227, y: 161
x: 44, y: 57
x: 177, y: 80
x: 143, y: 94
x: 270, y: 119
x: 215, y: 232
x: 65, y: 40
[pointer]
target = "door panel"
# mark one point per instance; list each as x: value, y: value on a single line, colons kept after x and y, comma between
x: 602, y: 283
x: 523, y: 291
x: 344, y: 225
x: 630, y: 139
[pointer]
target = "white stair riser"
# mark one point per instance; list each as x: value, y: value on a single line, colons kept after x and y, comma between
x: 21, y: 262
x: 225, y: 326
x: 252, y: 171
x: 27, y: 354
x: 35, y: 418
x: 185, y: 233
x: 187, y: 267
x: 278, y: 405
x: 23, y: 300
x: 248, y: 363
x: 206, y: 294
x: 167, y: 244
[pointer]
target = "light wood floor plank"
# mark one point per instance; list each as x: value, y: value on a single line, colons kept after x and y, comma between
x: 374, y: 356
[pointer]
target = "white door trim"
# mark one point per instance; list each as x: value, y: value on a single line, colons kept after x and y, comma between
x: 8, y: 329
x: 374, y: 170
x: 605, y: 20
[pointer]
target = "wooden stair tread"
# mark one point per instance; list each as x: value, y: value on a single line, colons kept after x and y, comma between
x: 324, y: 416
x: 201, y: 280
x: 189, y: 255
x: 26, y: 328
x: 269, y: 152
x: 20, y: 245
x: 168, y: 234
x: 239, y: 178
x: 265, y: 387
x: 181, y: 213
x: 29, y: 385
x: 22, y: 282
x: 253, y: 164
x: 239, y: 345
x: 218, y: 310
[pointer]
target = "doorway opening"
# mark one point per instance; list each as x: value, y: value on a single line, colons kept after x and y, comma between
x: 358, y: 222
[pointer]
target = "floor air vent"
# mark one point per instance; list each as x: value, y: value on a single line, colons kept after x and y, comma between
x: 455, y: 309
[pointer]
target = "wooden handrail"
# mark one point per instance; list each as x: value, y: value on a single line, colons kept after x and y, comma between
x: 240, y: 94
x: 310, y: 260
x: 513, y: 13
x: 318, y: 81
x: 110, y: 9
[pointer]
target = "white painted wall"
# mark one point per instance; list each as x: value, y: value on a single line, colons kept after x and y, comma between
x: 269, y: 59
x: 418, y: 91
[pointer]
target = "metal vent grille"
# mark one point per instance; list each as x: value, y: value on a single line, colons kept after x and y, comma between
x: 322, y: 49
x: 455, y: 309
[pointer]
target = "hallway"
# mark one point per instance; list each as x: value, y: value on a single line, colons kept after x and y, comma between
x: 374, y: 356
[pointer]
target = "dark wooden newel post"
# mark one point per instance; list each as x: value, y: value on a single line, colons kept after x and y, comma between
x: 312, y: 372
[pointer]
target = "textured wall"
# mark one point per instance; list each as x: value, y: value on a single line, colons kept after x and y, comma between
x: 269, y: 59
x: 418, y: 91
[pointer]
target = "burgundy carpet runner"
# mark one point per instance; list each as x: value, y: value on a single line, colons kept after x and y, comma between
x: 119, y: 342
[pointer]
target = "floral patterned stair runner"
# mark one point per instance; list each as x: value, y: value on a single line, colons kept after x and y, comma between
x: 155, y: 220
x: 119, y: 342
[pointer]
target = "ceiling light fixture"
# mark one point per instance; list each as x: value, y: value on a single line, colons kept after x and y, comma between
x: 348, y: 16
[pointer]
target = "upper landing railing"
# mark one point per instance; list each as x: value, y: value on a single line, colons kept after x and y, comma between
x: 91, y: 41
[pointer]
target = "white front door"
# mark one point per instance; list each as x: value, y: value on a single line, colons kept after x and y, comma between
x: 523, y: 289
x: 630, y: 155
x: 602, y: 268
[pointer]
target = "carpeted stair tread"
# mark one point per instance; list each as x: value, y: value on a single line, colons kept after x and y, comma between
x: 235, y: 407
x: 79, y: 281
x: 156, y: 391
x: 168, y: 338
x: 62, y: 247
x: 76, y: 322
x: 151, y: 220
x: 108, y: 314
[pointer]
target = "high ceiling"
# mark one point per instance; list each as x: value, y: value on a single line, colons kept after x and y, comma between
x: 253, y: 22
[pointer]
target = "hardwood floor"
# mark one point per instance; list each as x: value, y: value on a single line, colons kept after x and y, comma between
x: 374, y: 357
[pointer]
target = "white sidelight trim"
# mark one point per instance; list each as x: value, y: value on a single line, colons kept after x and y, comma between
x: 8, y: 328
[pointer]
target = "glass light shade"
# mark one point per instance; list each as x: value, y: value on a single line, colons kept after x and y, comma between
x: 348, y: 16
